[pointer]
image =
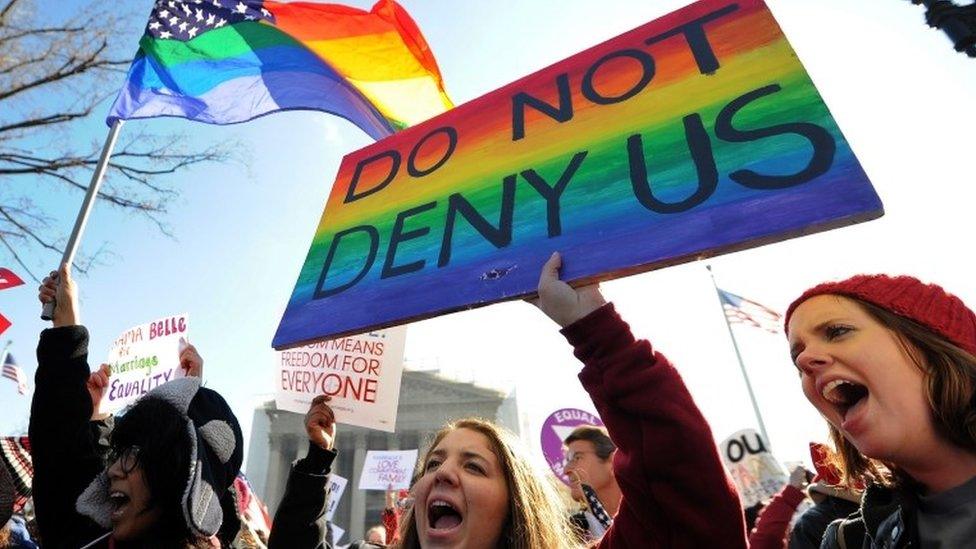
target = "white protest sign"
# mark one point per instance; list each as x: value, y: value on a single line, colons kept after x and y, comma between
x: 361, y: 373
x: 386, y: 468
x: 337, y: 534
x: 337, y: 485
x: 143, y: 358
x: 756, y: 473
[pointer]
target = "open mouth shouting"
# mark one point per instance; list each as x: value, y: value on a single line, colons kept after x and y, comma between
x: 120, y: 504
x: 443, y: 518
x: 848, y: 398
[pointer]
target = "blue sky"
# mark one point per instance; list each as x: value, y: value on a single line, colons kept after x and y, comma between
x: 242, y: 230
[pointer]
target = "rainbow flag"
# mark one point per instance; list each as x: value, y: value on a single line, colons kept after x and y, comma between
x: 228, y: 61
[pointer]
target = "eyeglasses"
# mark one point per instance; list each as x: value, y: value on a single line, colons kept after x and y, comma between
x: 127, y: 458
x: 576, y: 456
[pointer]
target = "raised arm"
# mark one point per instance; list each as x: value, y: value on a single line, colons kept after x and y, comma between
x: 773, y: 522
x: 300, y: 521
x: 65, y: 447
x: 675, y: 490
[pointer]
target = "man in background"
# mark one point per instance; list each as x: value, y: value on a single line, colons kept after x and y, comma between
x: 589, y: 465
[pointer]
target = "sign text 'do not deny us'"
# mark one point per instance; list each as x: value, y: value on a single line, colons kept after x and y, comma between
x: 696, y: 134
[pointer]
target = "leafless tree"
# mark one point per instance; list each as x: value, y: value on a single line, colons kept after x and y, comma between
x: 55, y: 70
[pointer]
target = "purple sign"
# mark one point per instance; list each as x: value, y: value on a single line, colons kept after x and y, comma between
x: 556, y: 428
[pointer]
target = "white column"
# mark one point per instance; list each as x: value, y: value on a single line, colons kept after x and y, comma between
x: 357, y: 517
x: 301, y: 448
x: 273, y: 482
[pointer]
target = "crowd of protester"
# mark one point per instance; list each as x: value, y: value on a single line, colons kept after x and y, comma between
x: 889, y: 362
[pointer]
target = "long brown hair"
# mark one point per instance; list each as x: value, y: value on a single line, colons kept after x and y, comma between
x: 537, y: 516
x: 950, y: 378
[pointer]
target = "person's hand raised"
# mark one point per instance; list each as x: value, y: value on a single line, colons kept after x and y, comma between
x: 97, y: 386
x: 61, y: 288
x: 560, y: 301
x: 320, y: 423
x: 190, y: 360
x: 798, y: 477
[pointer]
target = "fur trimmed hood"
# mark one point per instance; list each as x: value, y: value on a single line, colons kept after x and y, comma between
x: 216, y: 453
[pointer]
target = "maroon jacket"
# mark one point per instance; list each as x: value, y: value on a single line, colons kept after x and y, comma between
x: 773, y: 523
x: 675, y: 491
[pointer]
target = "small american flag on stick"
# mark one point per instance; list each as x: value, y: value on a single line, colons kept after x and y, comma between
x: 745, y: 311
x: 13, y: 372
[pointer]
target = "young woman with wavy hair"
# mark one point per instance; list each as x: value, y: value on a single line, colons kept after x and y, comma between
x: 890, y: 363
x: 476, y: 489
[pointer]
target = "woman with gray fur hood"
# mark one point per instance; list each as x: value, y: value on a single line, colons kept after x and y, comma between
x: 159, y: 478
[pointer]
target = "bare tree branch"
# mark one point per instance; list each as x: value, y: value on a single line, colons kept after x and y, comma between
x: 26, y: 62
x: 13, y: 252
x: 27, y: 231
x: 28, y: 212
x: 6, y: 10
x: 58, y: 118
x: 23, y: 33
x: 72, y: 67
x: 51, y: 79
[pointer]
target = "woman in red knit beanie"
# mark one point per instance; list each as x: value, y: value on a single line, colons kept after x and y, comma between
x: 890, y: 362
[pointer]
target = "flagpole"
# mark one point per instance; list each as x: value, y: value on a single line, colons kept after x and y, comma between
x: 6, y: 348
x: 738, y: 355
x: 47, y: 312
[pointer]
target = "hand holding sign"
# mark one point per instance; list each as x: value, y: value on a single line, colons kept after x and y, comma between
x: 320, y: 423
x: 798, y: 477
x: 97, y: 386
x: 60, y: 288
x: 390, y: 497
x: 560, y: 301
x: 190, y: 360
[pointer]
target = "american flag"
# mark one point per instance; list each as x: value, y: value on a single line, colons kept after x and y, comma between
x: 186, y: 19
x: 745, y: 311
x: 8, y: 279
x: 13, y: 372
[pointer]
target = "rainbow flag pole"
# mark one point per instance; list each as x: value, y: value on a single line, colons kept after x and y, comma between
x: 47, y: 312
x: 229, y: 61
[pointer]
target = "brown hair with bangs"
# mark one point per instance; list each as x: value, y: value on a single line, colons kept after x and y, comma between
x: 950, y: 379
x: 537, y: 515
x: 597, y: 436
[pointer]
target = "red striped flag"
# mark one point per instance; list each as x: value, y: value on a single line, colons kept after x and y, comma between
x: 13, y: 372
x: 251, y: 510
x: 745, y: 311
x: 8, y: 279
x: 15, y: 456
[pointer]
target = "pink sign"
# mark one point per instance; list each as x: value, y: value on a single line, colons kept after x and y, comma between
x: 556, y: 428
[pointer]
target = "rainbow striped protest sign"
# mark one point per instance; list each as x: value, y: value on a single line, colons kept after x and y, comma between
x: 696, y: 134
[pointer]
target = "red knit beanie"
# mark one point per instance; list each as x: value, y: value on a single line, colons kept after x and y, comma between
x: 927, y: 304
